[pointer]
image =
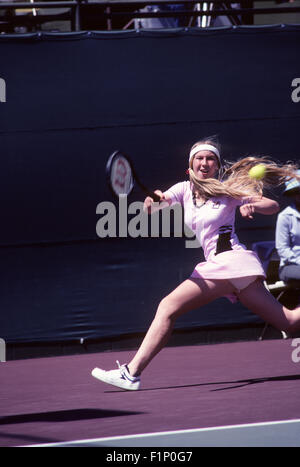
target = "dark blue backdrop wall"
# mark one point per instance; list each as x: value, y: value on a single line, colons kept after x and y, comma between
x: 70, y: 101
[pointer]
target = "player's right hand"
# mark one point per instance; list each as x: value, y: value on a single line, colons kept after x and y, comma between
x: 148, y: 203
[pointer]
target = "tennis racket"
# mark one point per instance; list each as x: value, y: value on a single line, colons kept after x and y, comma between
x: 122, y: 177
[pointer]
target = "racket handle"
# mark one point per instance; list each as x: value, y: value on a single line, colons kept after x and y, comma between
x: 156, y: 198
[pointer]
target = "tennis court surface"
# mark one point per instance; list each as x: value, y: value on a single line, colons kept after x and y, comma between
x: 235, y: 394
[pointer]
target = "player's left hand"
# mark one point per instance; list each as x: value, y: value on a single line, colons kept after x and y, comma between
x: 247, y: 210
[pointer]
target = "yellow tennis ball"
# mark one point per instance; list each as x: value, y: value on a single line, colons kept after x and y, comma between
x: 258, y: 172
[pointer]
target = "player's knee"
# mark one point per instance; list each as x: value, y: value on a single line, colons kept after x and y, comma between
x: 292, y: 323
x: 293, y: 326
x: 167, y: 309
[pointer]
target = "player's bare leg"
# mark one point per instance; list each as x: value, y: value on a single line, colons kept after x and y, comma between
x: 190, y: 295
x: 257, y: 299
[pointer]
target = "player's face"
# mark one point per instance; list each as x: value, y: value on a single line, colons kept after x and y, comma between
x: 205, y: 164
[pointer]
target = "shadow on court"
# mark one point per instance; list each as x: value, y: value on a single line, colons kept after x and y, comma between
x: 236, y: 384
x: 65, y: 416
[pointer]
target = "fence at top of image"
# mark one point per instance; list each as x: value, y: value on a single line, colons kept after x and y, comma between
x: 32, y: 14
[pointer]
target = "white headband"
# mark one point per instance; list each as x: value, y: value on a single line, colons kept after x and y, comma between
x: 205, y: 147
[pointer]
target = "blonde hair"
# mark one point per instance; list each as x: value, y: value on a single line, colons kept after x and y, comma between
x: 235, y: 181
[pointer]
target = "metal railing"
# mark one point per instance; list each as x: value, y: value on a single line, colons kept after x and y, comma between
x: 120, y: 14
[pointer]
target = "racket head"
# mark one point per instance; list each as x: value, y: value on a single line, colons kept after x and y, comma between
x: 119, y: 172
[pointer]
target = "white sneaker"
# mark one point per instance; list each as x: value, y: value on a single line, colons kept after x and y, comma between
x: 120, y: 377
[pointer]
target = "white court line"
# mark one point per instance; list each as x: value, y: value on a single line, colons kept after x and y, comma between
x: 115, y: 439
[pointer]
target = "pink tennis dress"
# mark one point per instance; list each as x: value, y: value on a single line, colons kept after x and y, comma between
x: 214, y: 226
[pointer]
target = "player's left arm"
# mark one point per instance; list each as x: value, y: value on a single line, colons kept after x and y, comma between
x: 259, y: 205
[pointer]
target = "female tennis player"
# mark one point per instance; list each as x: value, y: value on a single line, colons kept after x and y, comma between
x: 230, y: 269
